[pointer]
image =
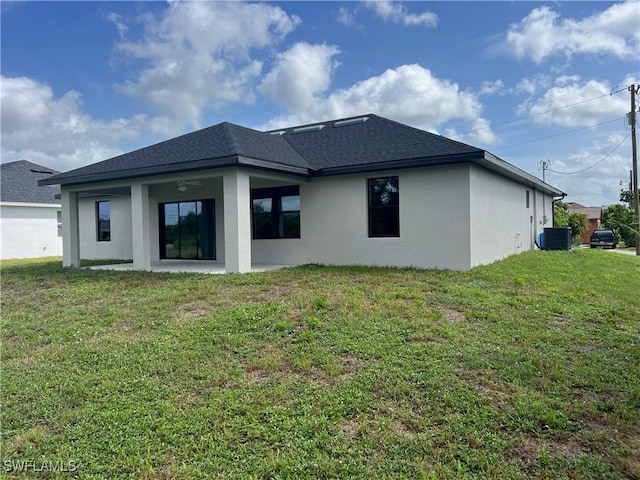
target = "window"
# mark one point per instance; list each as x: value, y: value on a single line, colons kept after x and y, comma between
x: 187, y: 230
x: 528, y: 202
x: 384, y: 207
x: 59, y: 219
x: 276, y: 212
x: 103, y: 221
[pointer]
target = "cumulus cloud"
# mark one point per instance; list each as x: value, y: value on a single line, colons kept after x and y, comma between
x: 396, y: 12
x: 408, y: 94
x: 603, y: 178
x: 199, y: 55
x: 55, y: 132
x: 299, y: 74
x: 572, y: 102
x: 543, y: 33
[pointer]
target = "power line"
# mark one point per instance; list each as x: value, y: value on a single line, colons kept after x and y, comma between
x: 560, y: 134
x: 595, y: 164
x: 548, y: 111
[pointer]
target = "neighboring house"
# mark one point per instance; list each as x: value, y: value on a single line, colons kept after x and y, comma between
x: 594, y: 216
x: 363, y: 190
x: 29, y: 214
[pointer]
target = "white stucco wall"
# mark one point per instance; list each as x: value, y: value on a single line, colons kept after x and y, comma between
x: 120, y: 246
x: 434, y: 220
x: 501, y: 223
x: 29, y: 231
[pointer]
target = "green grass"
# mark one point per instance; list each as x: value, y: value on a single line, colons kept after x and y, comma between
x: 527, y: 368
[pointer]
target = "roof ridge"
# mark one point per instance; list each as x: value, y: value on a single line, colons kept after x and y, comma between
x: 230, y: 137
x: 31, y: 165
x: 320, y: 122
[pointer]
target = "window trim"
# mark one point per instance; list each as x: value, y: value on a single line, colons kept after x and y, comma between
x: 371, y: 208
x: 275, y: 194
x: 99, y: 222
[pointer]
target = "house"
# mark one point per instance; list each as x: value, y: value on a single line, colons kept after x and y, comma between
x: 29, y: 214
x: 594, y: 217
x: 359, y: 190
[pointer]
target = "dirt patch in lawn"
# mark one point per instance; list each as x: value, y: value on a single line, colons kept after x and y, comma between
x: 453, y: 316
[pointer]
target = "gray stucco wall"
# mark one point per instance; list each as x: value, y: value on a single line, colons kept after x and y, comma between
x: 434, y: 222
x: 120, y: 246
x: 501, y: 222
x: 451, y: 217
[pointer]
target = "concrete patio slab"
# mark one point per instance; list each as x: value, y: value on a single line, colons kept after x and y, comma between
x: 186, y: 266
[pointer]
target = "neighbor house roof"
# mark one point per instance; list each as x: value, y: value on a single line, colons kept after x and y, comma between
x: 592, y: 213
x: 19, y: 183
x: 355, y: 144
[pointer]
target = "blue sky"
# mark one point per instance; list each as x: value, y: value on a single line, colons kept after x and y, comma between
x: 527, y: 81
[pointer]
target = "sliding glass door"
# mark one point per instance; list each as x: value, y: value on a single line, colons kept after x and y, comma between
x: 188, y: 230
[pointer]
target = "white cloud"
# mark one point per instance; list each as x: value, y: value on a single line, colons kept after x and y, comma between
x: 532, y: 85
x: 600, y: 181
x: 491, y: 88
x: 396, y: 12
x: 409, y: 94
x: 543, y: 33
x: 199, y: 55
x: 120, y: 25
x: 299, y: 74
x: 345, y: 17
x: 55, y: 132
x: 587, y: 103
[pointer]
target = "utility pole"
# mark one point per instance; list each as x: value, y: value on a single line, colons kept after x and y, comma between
x: 544, y: 165
x: 634, y: 150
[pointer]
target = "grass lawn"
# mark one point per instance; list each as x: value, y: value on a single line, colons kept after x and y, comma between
x: 527, y: 368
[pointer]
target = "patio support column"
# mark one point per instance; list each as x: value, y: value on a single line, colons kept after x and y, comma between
x: 140, y: 226
x: 237, y: 222
x: 70, y: 229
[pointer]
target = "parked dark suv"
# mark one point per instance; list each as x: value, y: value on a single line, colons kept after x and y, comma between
x: 604, y: 238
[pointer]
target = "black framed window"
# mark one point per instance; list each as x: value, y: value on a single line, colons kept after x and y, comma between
x: 187, y: 230
x: 103, y: 221
x: 276, y: 212
x: 384, y: 207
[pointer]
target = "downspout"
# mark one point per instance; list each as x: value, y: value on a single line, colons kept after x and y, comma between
x: 553, y: 209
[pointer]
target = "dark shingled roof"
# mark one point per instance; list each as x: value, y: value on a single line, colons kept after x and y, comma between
x: 375, y: 140
x: 355, y: 144
x: 216, y: 146
x: 19, y: 183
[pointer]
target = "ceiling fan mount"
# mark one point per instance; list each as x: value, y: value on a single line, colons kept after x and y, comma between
x: 182, y: 184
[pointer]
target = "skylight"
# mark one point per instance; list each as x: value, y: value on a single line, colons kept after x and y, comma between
x: 350, y: 121
x: 278, y: 132
x: 310, y: 128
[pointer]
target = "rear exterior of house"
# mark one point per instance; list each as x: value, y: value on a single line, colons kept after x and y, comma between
x: 30, y: 215
x: 425, y: 202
